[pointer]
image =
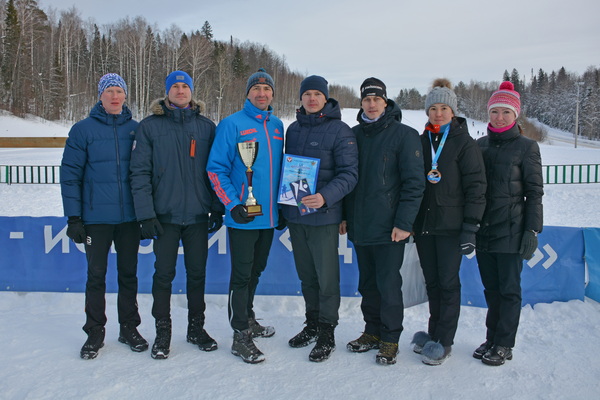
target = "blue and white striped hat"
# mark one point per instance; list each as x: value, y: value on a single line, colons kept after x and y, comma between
x: 110, y: 80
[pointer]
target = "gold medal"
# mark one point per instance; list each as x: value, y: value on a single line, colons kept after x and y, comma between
x: 434, y: 176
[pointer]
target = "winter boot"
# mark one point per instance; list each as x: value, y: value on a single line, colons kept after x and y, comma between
x: 129, y: 335
x: 162, y: 343
x: 325, y: 343
x: 307, y: 336
x: 482, y: 349
x: 258, y: 330
x: 387, y: 353
x: 244, y: 347
x: 198, y: 336
x: 94, y: 342
x: 497, y: 355
x: 434, y: 353
x: 364, y: 343
x: 419, y: 340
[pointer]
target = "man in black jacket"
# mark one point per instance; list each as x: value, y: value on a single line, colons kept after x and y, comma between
x: 174, y: 201
x: 380, y: 213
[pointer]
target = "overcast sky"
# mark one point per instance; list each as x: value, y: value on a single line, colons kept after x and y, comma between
x: 405, y: 43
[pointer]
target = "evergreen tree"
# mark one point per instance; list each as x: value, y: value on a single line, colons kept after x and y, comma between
x: 206, y: 31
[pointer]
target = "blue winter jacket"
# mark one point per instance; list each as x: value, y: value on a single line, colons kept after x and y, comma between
x: 168, y: 166
x: 326, y: 137
x: 228, y: 174
x: 94, y: 173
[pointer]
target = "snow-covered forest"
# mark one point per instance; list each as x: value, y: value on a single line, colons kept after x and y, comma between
x: 51, y: 61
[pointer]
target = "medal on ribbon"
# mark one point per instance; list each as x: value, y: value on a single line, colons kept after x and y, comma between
x: 434, y: 176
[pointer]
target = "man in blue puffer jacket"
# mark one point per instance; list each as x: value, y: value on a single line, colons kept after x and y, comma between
x: 320, y: 133
x: 96, y: 195
x: 174, y: 202
x: 250, y: 237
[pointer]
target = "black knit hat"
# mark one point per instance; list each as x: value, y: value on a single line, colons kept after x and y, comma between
x: 373, y: 87
x: 314, y: 82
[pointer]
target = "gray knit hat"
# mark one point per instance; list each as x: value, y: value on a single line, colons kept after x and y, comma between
x: 441, y: 93
x: 260, y: 77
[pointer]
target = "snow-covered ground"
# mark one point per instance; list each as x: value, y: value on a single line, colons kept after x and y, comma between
x: 556, y: 356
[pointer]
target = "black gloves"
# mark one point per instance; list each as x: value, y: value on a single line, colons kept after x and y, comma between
x: 215, y: 222
x: 529, y: 244
x: 151, y: 228
x: 467, y: 238
x: 75, y: 230
x: 281, y: 226
x: 240, y: 215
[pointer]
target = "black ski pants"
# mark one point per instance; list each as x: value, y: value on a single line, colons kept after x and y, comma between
x: 249, y: 253
x: 501, y: 277
x: 100, y: 237
x: 195, y: 252
x: 440, y: 261
x: 380, y: 285
x: 318, y: 266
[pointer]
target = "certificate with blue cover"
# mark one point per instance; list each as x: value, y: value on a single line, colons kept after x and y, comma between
x: 296, y: 169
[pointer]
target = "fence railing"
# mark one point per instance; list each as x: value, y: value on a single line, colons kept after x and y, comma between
x: 553, y: 174
x: 12, y: 174
x: 580, y: 173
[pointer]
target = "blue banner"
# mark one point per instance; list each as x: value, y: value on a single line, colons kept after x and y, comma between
x: 555, y: 273
x: 37, y: 255
x: 591, y: 237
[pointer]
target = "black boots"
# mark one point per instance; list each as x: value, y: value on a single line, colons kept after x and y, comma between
x: 198, y: 336
x: 307, y: 336
x: 162, y: 343
x: 497, y: 355
x: 325, y: 343
x: 94, y: 342
x: 129, y: 335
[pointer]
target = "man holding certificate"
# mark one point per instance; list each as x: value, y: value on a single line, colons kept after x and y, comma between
x: 313, y: 222
x: 244, y: 167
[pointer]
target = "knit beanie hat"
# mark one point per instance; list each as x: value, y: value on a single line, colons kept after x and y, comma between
x: 110, y: 80
x: 506, y: 96
x: 260, y: 77
x: 314, y: 82
x: 373, y: 87
x: 441, y: 93
x: 178, y: 76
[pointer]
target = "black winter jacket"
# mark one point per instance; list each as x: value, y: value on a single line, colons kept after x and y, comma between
x: 168, y: 166
x: 390, y: 179
x: 326, y: 137
x: 459, y: 196
x: 514, y: 192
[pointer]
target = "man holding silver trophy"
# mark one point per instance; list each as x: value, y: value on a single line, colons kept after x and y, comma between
x: 244, y: 168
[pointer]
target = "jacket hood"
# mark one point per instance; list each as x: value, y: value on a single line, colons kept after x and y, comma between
x: 160, y: 106
x: 99, y: 113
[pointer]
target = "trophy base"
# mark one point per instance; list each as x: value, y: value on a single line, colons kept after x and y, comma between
x: 254, y: 210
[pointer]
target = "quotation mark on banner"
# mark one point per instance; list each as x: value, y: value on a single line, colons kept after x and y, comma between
x: 538, y: 256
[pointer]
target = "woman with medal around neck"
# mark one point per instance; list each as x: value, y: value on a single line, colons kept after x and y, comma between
x: 449, y: 216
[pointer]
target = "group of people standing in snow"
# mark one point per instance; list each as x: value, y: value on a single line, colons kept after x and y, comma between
x: 175, y: 177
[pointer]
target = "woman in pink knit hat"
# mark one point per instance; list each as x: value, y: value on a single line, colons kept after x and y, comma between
x: 512, y: 220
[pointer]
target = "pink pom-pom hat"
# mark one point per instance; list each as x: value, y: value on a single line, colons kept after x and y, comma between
x: 506, y: 96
